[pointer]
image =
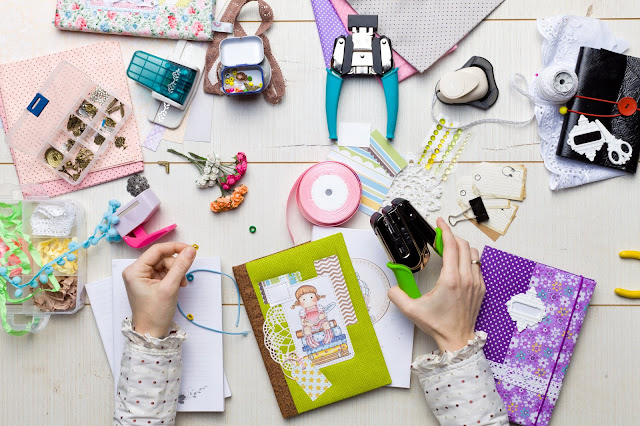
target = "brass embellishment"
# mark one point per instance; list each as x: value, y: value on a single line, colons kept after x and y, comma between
x: 53, y: 157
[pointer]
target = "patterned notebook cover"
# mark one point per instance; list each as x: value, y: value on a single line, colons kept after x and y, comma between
x: 529, y: 364
x: 177, y: 19
x: 312, y: 325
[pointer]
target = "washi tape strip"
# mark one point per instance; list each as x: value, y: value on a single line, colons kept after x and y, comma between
x: 386, y: 154
x: 330, y: 266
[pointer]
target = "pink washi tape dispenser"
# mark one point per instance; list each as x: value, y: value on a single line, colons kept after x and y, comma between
x: 136, y: 212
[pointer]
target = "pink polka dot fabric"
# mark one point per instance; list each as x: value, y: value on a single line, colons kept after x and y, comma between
x: 20, y: 81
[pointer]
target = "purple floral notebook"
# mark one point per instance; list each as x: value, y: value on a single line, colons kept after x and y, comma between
x: 532, y: 314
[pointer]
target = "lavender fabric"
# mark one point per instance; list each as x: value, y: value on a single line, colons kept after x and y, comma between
x: 529, y: 366
x: 504, y: 275
x: 329, y: 26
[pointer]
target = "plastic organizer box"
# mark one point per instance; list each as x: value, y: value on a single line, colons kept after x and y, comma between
x: 70, y: 123
x: 27, y: 316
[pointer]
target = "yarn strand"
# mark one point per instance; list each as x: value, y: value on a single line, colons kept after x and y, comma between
x: 190, y: 278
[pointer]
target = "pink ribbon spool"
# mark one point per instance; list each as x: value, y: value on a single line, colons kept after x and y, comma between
x: 327, y: 194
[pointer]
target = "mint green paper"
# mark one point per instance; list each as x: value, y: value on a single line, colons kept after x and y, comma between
x: 367, y: 369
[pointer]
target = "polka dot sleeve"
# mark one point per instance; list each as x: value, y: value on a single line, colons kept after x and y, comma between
x: 149, y: 381
x: 459, y: 386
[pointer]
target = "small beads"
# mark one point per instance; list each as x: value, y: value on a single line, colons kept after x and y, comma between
x: 190, y: 317
x: 195, y: 246
x: 18, y: 292
x: 252, y: 229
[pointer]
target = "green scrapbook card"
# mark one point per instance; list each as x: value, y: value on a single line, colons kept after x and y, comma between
x: 312, y: 325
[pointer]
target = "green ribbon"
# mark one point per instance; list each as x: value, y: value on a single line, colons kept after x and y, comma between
x: 11, y: 233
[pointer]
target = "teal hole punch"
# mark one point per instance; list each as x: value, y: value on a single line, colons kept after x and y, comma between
x: 406, y: 237
x: 362, y: 54
x: 173, y: 81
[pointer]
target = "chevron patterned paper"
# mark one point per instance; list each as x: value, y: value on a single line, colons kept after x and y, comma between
x: 331, y: 266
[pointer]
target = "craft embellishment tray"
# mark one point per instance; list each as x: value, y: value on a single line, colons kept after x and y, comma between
x: 244, y: 68
x: 70, y: 123
x: 44, y: 228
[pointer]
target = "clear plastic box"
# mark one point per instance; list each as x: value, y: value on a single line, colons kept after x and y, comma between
x: 26, y: 316
x: 70, y: 123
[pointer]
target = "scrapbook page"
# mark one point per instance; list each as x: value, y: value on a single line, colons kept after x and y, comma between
x: 312, y: 326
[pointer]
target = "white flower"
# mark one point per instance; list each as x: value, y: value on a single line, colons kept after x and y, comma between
x: 207, y: 170
x: 211, y: 183
x: 201, y: 182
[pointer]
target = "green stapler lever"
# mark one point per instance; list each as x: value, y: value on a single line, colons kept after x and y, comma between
x: 406, y: 235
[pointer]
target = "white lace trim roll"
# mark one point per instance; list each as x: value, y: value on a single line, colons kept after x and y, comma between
x: 524, y: 380
x: 54, y: 219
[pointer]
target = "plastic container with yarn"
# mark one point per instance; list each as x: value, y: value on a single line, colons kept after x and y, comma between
x: 326, y: 194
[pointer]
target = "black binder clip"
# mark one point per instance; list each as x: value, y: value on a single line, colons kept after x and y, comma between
x: 478, y: 209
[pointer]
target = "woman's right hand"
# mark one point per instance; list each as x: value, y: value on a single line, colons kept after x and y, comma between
x: 448, y: 313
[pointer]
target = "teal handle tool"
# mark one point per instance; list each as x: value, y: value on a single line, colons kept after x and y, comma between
x: 390, y: 86
x: 334, y: 85
x: 406, y: 282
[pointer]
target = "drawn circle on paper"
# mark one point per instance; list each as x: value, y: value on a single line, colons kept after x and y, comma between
x: 374, y: 285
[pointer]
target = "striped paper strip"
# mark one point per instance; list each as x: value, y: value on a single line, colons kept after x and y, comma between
x: 374, y: 179
x: 386, y: 154
x: 330, y: 266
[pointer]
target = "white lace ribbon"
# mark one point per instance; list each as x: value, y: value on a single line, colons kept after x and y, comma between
x: 527, y: 381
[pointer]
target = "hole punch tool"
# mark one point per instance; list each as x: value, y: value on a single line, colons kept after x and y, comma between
x: 474, y: 84
x: 406, y: 235
x: 362, y: 54
x: 173, y: 82
x: 136, y: 212
x: 629, y: 294
x: 479, y: 212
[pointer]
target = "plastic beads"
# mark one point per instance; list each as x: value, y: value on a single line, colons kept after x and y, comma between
x: 190, y: 317
x: 252, y: 229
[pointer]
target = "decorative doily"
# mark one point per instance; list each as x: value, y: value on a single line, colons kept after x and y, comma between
x: 277, y: 336
x: 521, y: 379
x: 53, y: 219
x: 418, y: 185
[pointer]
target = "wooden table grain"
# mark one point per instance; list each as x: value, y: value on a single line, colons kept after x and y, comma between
x: 61, y: 376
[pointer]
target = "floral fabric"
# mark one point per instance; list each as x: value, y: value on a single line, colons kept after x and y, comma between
x: 545, y: 350
x: 182, y: 19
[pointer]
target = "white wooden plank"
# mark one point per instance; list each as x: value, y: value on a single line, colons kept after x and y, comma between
x: 295, y: 130
x: 74, y: 387
x: 572, y: 229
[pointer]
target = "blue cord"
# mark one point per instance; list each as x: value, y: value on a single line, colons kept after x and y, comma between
x: 190, y: 278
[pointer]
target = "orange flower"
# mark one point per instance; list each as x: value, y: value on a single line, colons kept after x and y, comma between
x: 222, y: 204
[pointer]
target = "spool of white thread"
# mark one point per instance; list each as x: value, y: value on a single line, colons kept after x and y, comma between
x: 556, y: 84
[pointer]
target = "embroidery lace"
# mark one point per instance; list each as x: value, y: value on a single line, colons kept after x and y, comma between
x: 53, y: 219
x: 524, y: 380
x: 418, y: 185
x: 429, y: 362
x: 563, y: 36
x: 172, y: 341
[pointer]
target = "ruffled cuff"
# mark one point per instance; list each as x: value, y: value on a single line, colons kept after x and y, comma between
x: 172, y: 341
x: 427, y: 363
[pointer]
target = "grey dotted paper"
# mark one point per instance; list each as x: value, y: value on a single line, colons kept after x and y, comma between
x: 421, y: 31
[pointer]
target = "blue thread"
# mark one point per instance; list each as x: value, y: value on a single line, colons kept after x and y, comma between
x: 190, y: 278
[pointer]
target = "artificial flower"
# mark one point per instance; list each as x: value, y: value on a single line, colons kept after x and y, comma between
x: 213, y: 172
x: 230, y: 202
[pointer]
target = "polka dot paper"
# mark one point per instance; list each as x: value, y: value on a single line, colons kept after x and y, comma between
x: 529, y: 366
x: 20, y: 81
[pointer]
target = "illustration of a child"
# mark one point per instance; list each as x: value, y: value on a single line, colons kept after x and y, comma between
x: 312, y: 315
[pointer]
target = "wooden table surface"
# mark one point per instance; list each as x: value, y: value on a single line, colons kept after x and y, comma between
x: 61, y: 376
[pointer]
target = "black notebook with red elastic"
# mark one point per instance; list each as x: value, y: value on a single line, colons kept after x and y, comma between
x: 609, y: 133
